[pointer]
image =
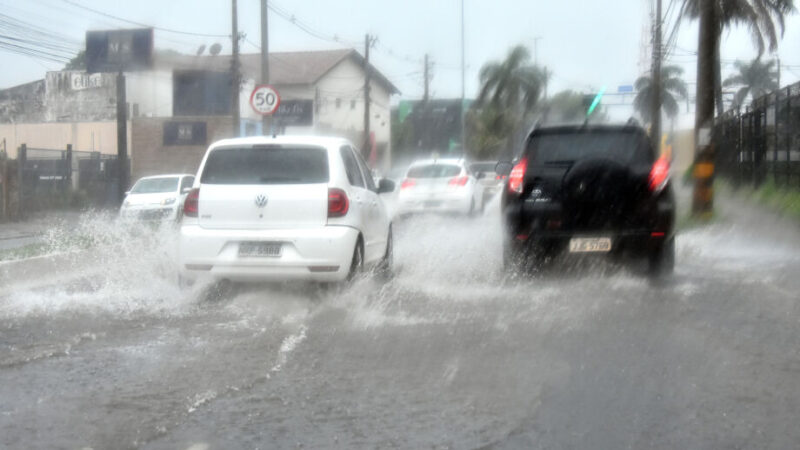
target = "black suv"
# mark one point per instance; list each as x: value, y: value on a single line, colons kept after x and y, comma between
x: 588, y: 190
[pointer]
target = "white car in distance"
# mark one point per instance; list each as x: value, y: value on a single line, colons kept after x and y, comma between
x: 440, y: 185
x: 284, y: 208
x: 158, y: 197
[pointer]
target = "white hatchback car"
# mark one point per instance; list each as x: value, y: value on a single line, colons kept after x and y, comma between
x: 158, y: 197
x: 285, y: 207
x: 440, y: 185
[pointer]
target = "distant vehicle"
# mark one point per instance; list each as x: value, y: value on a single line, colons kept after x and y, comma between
x: 440, y: 185
x: 157, y: 197
x: 285, y: 207
x: 491, y: 181
x: 588, y: 190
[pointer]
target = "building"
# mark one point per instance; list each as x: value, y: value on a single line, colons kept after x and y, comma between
x: 183, y: 103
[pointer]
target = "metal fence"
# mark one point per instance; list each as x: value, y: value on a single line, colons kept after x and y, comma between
x: 762, y: 141
x: 57, y: 178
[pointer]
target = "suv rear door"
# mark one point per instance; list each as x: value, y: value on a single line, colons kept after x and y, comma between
x: 264, y: 187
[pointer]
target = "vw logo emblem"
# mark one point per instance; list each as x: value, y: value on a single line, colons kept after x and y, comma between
x: 261, y: 200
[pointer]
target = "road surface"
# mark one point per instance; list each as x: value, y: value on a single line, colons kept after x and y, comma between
x: 451, y: 353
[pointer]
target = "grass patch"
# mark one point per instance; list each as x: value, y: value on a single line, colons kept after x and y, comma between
x: 782, y: 200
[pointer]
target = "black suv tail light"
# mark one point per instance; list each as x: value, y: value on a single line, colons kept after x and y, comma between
x: 517, y: 175
x: 659, y: 175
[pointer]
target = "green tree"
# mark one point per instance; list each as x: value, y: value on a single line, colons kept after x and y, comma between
x: 511, y: 84
x: 673, y: 88
x: 488, y: 132
x: 765, y: 19
x: 755, y: 79
x: 565, y: 106
x: 78, y: 62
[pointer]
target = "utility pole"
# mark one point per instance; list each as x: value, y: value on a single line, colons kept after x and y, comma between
x: 655, y: 112
x: 266, y: 120
x: 463, y: 86
x: 235, y: 75
x: 536, y: 50
x: 427, y: 79
x: 122, y: 137
x: 703, y: 197
x: 365, y: 151
x: 779, y: 71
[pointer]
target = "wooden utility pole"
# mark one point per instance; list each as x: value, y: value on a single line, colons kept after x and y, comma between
x: 122, y: 137
x: 427, y: 79
x: 235, y: 75
x: 703, y: 197
x: 655, y: 111
x: 367, y: 74
x: 266, y: 120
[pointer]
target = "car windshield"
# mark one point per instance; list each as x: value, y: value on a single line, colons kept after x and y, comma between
x: 155, y: 185
x: 270, y: 164
x: 434, y: 171
x: 569, y: 147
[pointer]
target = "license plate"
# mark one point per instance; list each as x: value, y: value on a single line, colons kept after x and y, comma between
x: 586, y: 245
x: 260, y: 249
x: 432, y: 204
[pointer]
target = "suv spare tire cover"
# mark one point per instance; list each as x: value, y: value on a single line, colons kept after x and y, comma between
x: 599, y: 183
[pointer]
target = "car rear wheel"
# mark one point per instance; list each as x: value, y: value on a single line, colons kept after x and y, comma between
x: 357, y: 264
x: 384, y: 270
x: 661, y: 262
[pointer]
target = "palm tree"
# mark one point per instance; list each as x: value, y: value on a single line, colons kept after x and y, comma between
x: 764, y: 19
x: 673, y: 88
x: 512, y: 84
x: 756, y: 79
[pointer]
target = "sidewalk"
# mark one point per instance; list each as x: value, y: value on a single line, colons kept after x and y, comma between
x: 29, y: 231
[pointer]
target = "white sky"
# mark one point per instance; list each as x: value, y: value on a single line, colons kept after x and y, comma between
x: 587, y: 44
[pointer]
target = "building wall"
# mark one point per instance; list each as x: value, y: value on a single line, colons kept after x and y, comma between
x: 151, y: 157
x: 24, y: 103
x: 74, y: 96
x: 84, y: 136
x: 149, y: 93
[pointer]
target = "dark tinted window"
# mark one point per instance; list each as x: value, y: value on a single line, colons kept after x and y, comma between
x: 351, y: 167
x: 567, y: 147
x: 434, y: 171
x: 266, y: 165
x: 155, y: 185
x: 367, y: 173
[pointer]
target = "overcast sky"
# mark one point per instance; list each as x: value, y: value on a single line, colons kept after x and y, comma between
x: 586, y: 43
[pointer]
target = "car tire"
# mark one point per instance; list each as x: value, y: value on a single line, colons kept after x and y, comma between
x: 661, y: 262
x: 357, y: 264
x: 384, y: 270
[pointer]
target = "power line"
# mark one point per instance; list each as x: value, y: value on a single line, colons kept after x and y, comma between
x: 132, y: 22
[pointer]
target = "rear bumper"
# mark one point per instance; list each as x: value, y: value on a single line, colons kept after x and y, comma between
x: 315, y: 254
x: 155, y: 213
x: 456, y: 201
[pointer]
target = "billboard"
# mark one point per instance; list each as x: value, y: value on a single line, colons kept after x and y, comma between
x: 119, y: 50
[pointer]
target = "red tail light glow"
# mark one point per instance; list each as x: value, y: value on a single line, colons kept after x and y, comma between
x: 408, y: 183
x: 517, y: 175
x: 459, y: 181
x: 659, y: 175
x: 338, y: 203
x: 192, y: 203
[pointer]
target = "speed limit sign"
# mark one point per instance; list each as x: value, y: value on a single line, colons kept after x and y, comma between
x: 265, y: 99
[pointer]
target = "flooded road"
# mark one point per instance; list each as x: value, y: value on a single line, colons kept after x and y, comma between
x: 451, y: 353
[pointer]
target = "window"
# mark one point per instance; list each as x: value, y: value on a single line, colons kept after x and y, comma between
x: 155, y: 185
x: 367, y: 173
x: 266, y: 164
x: 351, y: 167
x: 434, y: 171
x: 187, y: 183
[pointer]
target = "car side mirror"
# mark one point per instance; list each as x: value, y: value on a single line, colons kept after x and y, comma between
x: 186, y: 190
x: 503, y: 168
x: 385, y: 186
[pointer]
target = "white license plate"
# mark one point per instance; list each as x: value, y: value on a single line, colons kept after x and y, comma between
x: 586, y: 245
x: 260, y: 249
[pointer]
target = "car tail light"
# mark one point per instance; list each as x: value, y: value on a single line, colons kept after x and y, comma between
x: 408, y: 183
x: 659, y: 175
x: 338, y: 203
x: 192, y: 203
x: 517, y: 175
x: 459, y: 181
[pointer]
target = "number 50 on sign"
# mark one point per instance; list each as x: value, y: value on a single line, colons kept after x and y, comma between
x: 265, y: 99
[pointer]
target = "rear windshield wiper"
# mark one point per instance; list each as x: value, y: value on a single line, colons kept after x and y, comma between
x: 560, y: 162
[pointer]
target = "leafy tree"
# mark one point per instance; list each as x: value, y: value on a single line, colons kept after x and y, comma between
x: 78, y: 62
x: 765, y: 19
x: 755, y: 79
x: 489, y: 131
x: 565, y: 106
x: 673, y: 88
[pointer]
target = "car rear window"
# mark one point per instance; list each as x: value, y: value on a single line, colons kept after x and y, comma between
x: 155, y: 185
x: 623, y: 147
x: 268, y: 164
x: 434, y: 171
